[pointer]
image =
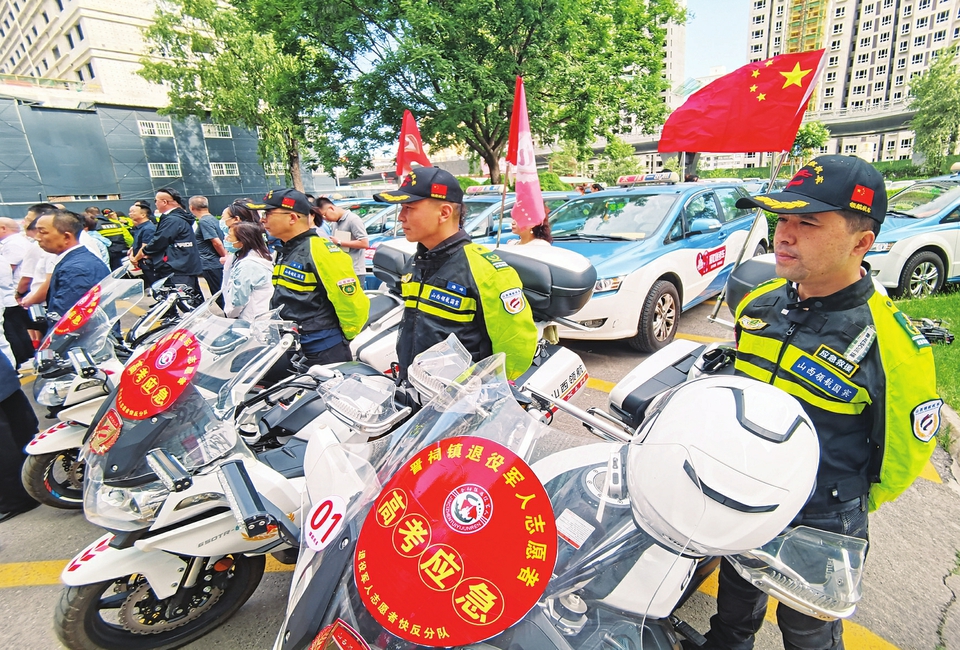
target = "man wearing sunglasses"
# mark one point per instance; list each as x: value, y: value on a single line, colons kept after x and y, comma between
x: 314, y: 282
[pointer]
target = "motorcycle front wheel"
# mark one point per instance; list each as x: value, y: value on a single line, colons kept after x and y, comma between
x: 55, y: 479
x: 125, y: 614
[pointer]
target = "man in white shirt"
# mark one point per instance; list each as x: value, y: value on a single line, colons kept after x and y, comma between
x: 14, y: 247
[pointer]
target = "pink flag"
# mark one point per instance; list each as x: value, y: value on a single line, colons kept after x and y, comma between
x: 528, y: 210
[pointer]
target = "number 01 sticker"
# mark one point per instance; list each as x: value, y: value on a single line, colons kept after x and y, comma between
x: 324, y: 522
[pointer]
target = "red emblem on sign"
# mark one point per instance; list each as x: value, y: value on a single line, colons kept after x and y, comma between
x: 78, y: 315
x: 459, y: 546
x: 438, y: 191
x: 338, y: 636
x: 863, y: 195
x: 105, y: 435
x: 711, y: 260
x: 156, y: 378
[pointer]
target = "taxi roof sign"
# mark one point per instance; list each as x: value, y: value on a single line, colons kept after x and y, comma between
x: 485, y: 189
x: 649, y: 179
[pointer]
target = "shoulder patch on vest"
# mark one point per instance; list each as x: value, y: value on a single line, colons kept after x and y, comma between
x: 494, y: 260
x: 332, y: 248
x: 925, y: 419
x: 918, y: 338
x: 347, y: 286
x: 513, y: 301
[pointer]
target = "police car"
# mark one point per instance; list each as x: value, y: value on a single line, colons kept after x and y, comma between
x: 918, y: 248
x: 659, y: 247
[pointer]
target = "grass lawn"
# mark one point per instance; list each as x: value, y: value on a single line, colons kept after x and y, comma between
x: 945, y: 306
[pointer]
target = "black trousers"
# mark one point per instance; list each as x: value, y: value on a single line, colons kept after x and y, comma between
x: 214, y: 278
x: 283, y: 368
x: 741, y: 607
x: 16, y: 322
x: 18, y: 424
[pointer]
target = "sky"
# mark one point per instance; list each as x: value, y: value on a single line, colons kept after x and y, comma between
x: 716, y: 35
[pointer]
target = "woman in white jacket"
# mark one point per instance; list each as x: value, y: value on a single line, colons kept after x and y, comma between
x: 247, y: 273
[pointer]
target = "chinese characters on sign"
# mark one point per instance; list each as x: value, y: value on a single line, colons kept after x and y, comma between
x: 156, y: 378
x: 459, y: 545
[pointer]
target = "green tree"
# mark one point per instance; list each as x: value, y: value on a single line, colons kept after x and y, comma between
x: 565, y: 161
x: 454, y: 63
x: 618, y: 160
x: 217, y: 64
x: 935, y: 96
x: 810, y: 136
x: 550, y: 182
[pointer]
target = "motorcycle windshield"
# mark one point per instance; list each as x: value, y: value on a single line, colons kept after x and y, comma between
x: 178, y: 396
x: 87, y: 324
x: 475, y: 522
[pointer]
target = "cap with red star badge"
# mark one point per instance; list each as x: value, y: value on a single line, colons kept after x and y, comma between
x: 425, y: 183
x: 826, y: 184
x: 290, y: 199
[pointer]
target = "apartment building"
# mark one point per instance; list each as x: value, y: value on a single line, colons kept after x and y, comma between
x: 874, y: 48
x: 87, y: 45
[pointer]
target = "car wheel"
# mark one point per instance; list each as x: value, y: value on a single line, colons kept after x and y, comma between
x: 659, y: 318
x: 760, y: 250
x: 922, y: 275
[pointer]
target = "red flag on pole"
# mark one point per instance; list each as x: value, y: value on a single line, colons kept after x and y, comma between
x: 758, y: 107
x: 411, y: 146
x: 528, y: 210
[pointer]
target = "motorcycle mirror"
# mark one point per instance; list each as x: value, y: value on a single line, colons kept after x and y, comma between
x: 82, y: 363
x: 169, y: 470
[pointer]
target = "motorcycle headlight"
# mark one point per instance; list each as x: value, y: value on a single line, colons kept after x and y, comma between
x: 882, y: 247
x: 52, y: 391
x: 124, y: 508
x: 608, y: 284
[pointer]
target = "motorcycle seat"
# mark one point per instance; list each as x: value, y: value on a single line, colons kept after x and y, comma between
x: 381, y: 304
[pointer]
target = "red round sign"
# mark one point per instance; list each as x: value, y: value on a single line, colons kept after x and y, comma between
x: 77, y: 316
x: 156, y: 378
x: 459, y: 545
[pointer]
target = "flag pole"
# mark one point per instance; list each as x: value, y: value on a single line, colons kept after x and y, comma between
x: 503, y: 200
x: 774, y: 171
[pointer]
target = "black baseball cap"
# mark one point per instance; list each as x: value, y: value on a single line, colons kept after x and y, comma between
x: 288, y: 198
x: 425, y: 183
x: 826, y: 184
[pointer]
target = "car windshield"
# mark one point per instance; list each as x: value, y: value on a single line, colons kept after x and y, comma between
x: 634, y: 216
x: 923, y: 200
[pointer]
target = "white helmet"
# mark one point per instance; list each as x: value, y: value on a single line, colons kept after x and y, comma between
x: 722, y: 465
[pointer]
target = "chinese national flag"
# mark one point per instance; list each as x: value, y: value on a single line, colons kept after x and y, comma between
x: 411, y: 146
x: 529, y: 210
x: 755, y: 108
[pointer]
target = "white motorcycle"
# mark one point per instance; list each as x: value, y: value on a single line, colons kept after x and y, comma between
x: 475, y: 526
x: 77, y: 364
x: 191, y: 508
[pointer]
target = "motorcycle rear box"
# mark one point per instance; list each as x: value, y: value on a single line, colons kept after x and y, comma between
x: 556, y: 282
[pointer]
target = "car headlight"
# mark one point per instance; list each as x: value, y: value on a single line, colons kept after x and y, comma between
x: 604, y: 285
x: 882, y: 246
x: 53, y: 391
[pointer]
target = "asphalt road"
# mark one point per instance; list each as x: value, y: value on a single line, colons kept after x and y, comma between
x: 910, y: 593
